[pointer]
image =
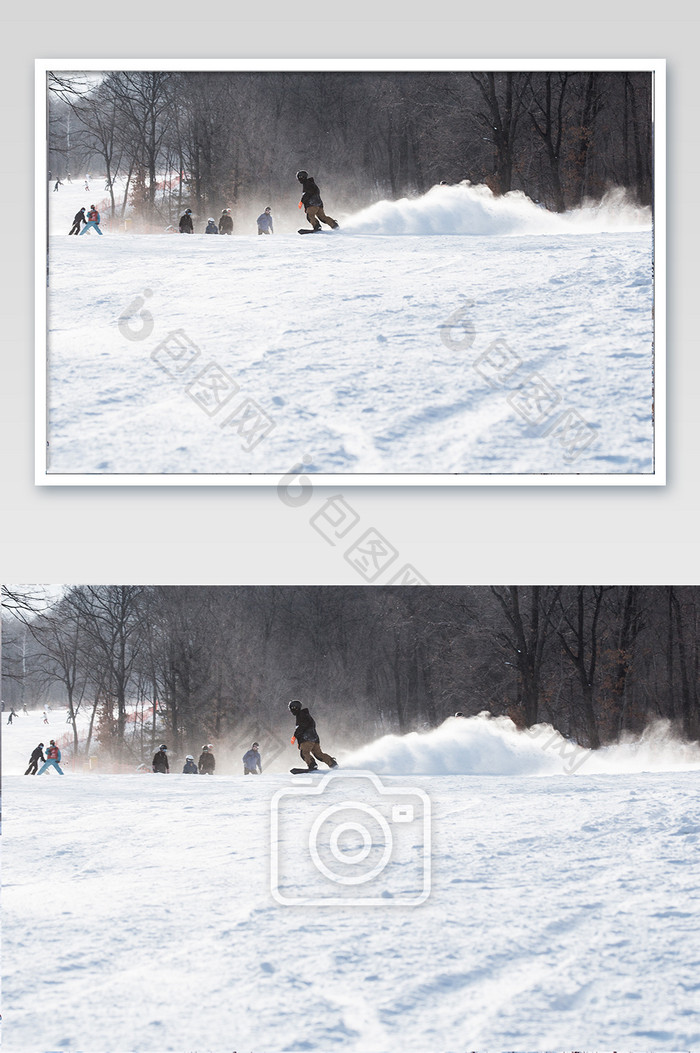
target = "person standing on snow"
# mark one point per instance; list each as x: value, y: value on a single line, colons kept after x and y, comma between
x: 206, y: 761
x: 252, y: 764
x: 226, y: 222
x: 78, y: 219
x: 265, y: 222
x: 37, y: 755
x: 93, y: 221
x: 190, y: 766
x: 53, y: 756
x: 160, y: 760
x: 306, y: 738
x: 186, y: 224
x: 211, y: 226
x: 11, y: 716
x: 58, y: 184
x: 311, y: 202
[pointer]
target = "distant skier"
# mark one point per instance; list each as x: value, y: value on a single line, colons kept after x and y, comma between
x: 58, y: 184
x: 53, y: 756
x: 190, y: 766
x: 78, y: 220
x: 226, y: 222
x: 24, y: 709
x: 11, y: 716
x: 265, y: 222
x: 312, y: 203
x: 37, y: 755
x: 207, y: 762
x: 160, y: 760
x: 251, y: 761
x: 93, y: 221
x: 186, y: 224
x: 46, y: 716
x: 306, y: 738
x: 87, y: 188
x: 211, y: 226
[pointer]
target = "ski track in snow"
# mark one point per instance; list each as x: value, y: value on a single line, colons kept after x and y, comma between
x: 339, y: 340
x: 138, y: 917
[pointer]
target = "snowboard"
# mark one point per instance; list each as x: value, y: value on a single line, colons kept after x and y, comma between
x: 310, y: 771
x: 310, y: 230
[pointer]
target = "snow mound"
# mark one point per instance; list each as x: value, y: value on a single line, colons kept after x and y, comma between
x: 485, y: 745
x: 468, y: 209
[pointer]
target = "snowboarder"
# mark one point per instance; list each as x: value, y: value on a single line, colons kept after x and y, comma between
x: 251, y: 761
x: 37, y: 755
x: 312, y: 203
x: 190, y: 766
x: 211, y: 226
x: 265, y: 222
x: 160, y: 760
x: 206, y: 761
x: 93, y: 221
x: 306, y: 738
x: 53, y: 756
x: 78, y: 220
x: 186, y: 224
x: 58, y: 184
x: 226, y: 222
x: 11, y: 716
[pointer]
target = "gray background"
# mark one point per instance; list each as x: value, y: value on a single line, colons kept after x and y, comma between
x: 471, y: 535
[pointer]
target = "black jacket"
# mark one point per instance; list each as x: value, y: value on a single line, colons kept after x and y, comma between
x: 190, y: 768
x: 37, y: 755
x: 311, y: 195
x: 80, y: 216
x: 186, y: 225
x: 305, y: 731
x: 207, y: 763
x: 225, y: 224
x: 160, y: 761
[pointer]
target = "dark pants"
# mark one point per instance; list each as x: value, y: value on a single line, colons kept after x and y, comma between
x: 33, y: 765
x: 75, y: 229
x: 309, y: 750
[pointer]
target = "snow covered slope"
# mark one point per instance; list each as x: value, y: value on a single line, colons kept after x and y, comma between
x: 508, y: 341
x: 140, y: 917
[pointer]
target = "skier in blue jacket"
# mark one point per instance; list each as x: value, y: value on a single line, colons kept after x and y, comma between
x: 53, y: 756
x: 190, y: 766
x: 251, y: 761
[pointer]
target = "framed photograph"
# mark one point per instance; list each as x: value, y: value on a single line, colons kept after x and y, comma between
x: 482, y: 301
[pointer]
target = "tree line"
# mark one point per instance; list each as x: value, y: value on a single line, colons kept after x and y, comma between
x: 208, y: 140
x: 221, y: 663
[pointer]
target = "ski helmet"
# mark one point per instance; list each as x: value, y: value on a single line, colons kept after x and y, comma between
x: 205, y: 749
x: 188, y: 211
x: 295, y: 706
x: 162, y: 746
x: 210, y: 220
x: 459, y: 714
x: 189, y: 757
x: 301, y: 176
x: 42, y: 745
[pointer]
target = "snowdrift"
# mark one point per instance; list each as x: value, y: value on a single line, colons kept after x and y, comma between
x: 468, y: 209
x: 486, y: 745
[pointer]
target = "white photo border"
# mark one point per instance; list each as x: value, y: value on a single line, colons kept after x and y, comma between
x: 657, y: 477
